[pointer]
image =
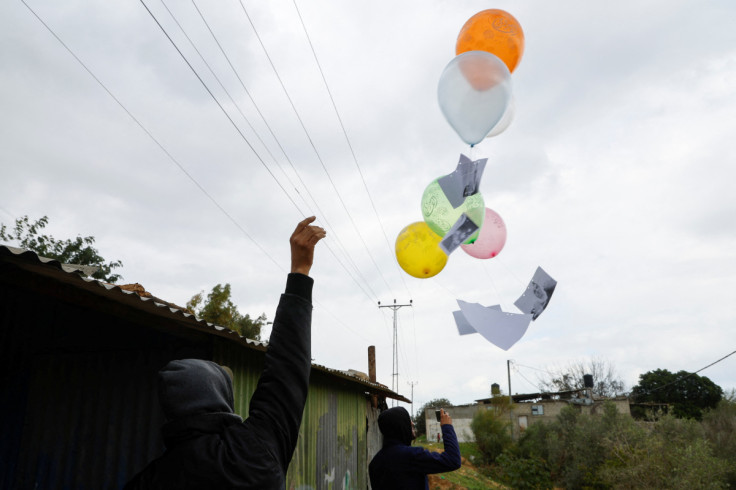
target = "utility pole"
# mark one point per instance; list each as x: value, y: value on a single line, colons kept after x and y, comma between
x: 511, y: 405
x: 395, y: 363
x: 412, y: 384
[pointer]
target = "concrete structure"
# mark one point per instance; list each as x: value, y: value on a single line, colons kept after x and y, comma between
x: 462, y: 416
x: 526, y: 410
x: 525, y: 414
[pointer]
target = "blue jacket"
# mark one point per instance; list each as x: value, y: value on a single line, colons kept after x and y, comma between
x: 400, y: 466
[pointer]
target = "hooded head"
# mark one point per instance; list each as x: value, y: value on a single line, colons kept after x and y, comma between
x: 194, y: 387
x: 395, y: 424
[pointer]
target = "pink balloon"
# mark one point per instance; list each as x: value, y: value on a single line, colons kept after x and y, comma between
x: 491, y: 239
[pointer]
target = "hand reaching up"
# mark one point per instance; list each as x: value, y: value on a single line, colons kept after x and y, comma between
x: 303, y: 241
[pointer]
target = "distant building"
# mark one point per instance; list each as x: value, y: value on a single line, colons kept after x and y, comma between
x: 526, y: 410
x: 78, y: 364
x: 462, y: 416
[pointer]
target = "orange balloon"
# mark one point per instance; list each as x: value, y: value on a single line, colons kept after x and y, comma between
x: 495, y: 31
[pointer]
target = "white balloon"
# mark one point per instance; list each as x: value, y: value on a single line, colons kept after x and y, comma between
x: 473, y: 93
x: 505, y: 121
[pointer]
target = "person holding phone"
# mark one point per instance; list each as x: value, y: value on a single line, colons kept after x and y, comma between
x: 400, y: 466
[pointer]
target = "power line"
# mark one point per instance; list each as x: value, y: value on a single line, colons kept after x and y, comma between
x: 316, y: 152
x: 166, y: 152
x: 7, y: 212
x: 341, y: 246
x: 237, y: 128
x: 536, y: 369
x: 153, y: 138
x: 536, y: 387
x: 347, y: 139
x: 237, y: 106
x: 683, y: 377
x: 395, y: 366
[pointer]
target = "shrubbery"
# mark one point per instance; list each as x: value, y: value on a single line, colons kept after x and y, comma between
x: 491, y: 429
x: 612, y: 450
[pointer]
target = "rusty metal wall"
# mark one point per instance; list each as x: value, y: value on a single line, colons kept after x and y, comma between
x: 332, y: 450
x: 79, y: 405
x: 88, y: 424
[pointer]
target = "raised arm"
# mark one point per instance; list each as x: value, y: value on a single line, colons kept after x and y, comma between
x: 276, y: 408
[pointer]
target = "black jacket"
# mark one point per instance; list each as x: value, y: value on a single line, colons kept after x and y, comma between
x: 210, y: 447
x: 400, y: 466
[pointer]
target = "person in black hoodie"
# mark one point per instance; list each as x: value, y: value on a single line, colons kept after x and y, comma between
x: 400, y: 466
x: 210, y: 447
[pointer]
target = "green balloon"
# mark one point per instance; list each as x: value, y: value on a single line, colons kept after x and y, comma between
x: 440, y: 215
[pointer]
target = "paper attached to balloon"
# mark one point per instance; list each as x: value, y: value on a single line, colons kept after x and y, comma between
x: 498, y: 327
x: 464, y: 181
x: 537, y: 295
x: 460, y: 231
x: 440, y: 215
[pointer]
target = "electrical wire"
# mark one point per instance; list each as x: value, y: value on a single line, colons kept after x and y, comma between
x: 212, y: 95
x: 323, y: 215
x: 403, y: 350
x: 347, y: 139
x: 536, y: 369
x: 7, y: 212
x: 237, y: 106
x: 153, y: 138
x: 536, y: 387
x: 168, y: 154
x: 311, y: 142
x: 682, y: 377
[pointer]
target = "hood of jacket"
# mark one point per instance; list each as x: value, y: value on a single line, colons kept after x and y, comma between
x: 189, y: 387
x: 395, y: 425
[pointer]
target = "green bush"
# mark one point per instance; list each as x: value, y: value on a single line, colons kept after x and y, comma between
x: 719, y: 426
x: 523, y: 473
x: 611, y: 450
x: 492, y: 434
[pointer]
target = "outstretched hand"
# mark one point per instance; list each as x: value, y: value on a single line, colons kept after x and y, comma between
x: 302, y: 241
x: 445, y: 418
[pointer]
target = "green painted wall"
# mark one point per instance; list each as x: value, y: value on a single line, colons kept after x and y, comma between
x: 331, y: 452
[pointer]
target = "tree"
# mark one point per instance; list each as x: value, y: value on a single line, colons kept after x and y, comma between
x: 79, y: 251
x: 491, y: 430
x: 420, y: 424
x: 220, y: 310
x: 606, y: 381
x: 688, y: 393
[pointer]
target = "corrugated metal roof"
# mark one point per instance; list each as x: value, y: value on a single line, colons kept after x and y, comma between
x: 70, y: 274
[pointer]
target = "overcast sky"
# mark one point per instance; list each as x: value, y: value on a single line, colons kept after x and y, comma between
x: 616, y: 175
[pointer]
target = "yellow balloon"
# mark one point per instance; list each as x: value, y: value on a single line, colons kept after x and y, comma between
x: 418, y: 251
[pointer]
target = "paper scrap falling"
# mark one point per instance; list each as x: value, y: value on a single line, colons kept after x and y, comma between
x: 501, y: 328
x: 498, y: 327
x: 537, y: 295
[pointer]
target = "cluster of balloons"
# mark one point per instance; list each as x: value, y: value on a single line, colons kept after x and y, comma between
x: 475, y: 97
x: 418, y: 248
x: 474, y: 91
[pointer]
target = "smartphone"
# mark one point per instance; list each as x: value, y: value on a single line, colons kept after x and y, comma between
x: 438, y: 414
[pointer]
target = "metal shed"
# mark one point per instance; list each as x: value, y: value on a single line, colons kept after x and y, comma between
x: 78, y: 363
